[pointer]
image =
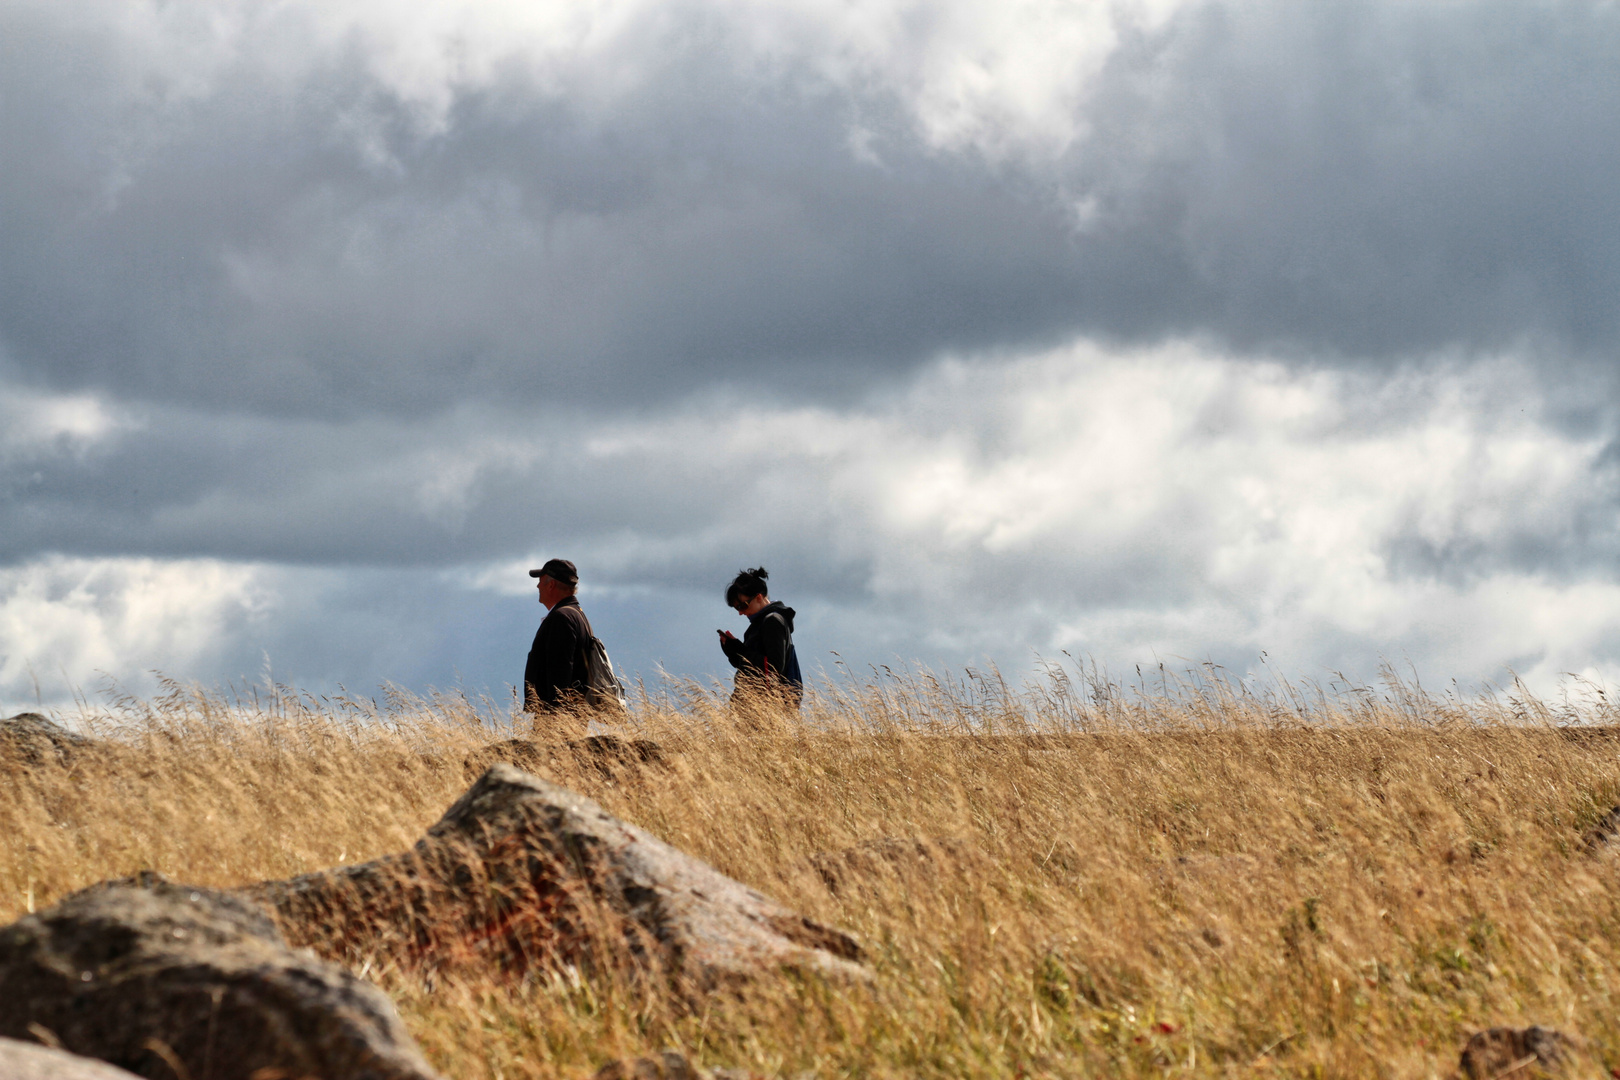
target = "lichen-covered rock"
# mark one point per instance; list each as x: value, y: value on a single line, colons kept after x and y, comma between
x: 522, y: 872
x: 148, y: 974
x: 29, y: 1061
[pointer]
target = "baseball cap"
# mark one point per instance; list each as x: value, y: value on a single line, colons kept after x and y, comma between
x: 559, y: 569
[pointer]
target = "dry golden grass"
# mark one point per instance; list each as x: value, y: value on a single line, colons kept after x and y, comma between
x: 1197, y: 881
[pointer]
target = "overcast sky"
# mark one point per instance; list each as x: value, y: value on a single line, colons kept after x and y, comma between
x: 1174, y: 330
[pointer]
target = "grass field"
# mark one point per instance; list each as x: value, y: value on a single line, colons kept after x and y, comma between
x: 1175, y: 879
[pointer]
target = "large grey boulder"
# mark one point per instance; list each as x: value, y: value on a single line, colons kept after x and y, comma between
x: 149, y: 975
x: 522, y: 872
x: 30, y: 1061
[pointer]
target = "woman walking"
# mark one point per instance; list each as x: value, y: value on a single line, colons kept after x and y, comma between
x: 764, y: 657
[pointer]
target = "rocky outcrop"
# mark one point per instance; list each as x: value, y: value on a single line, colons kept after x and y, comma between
x: 30, y: 1061
x: 522, y: 754
x: 32, y: 739
x: 167, y: 980
x: 522, y: 872
x: 605, y: 754
x: 1526, y: 1053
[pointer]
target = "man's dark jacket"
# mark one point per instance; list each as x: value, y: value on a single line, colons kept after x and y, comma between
x: 764, y: 645
x: 556, y: 664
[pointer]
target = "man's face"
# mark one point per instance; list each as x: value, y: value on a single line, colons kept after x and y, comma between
x: 551, y: 590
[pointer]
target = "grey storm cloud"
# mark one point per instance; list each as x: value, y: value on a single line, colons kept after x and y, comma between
x: 668, y: 496
x: 1368, y: 178
x: 276, y: 227
x: 1165, y: 504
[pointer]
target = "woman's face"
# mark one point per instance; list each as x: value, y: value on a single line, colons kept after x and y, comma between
x: 752, y: 605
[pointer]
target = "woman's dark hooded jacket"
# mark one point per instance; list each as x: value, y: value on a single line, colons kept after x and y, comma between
x: 762, y: 654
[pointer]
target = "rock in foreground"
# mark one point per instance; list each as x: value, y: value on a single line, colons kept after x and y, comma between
x: 30, y: 1061
x: 148, y: 975
x: 522, y: 872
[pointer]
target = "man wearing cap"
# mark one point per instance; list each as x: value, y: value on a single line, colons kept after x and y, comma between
x: 556, y: 667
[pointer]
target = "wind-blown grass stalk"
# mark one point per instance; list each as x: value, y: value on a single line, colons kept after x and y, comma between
x: 1182, y: 874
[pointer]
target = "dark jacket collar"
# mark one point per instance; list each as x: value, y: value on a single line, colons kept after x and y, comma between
x: 775, y: 607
